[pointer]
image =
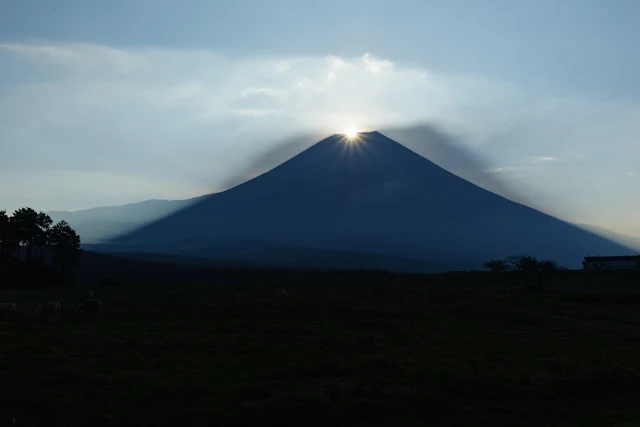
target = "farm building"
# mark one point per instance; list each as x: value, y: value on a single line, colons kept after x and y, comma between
x: 611, y: 262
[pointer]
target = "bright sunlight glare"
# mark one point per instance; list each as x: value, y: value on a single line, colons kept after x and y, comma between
x: 351, y: 133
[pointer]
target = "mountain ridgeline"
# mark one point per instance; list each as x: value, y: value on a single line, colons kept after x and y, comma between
x: 369, y: 196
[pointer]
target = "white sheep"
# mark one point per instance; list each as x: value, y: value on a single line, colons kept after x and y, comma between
x: 48, y: 309
x: 282, y: 293
x: 90, y: 306
x: 7, y: 309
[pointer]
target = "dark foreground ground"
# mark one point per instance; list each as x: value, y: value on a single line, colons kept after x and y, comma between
x: 353, y: 350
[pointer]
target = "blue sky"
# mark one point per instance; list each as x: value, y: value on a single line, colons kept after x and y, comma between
x: 114, y: 102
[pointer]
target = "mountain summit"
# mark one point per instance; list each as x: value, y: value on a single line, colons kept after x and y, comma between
x: 372, y: 195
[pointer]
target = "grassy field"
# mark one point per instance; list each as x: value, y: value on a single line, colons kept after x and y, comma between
x: 353, y: 350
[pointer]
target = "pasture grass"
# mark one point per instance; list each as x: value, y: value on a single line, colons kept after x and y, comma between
x: 350, y: 350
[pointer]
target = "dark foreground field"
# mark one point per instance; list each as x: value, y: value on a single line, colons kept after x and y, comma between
x: 362, y: 350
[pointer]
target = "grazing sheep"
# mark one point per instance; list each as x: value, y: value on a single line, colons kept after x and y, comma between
x: 90, y: 306
x: 7, y: 309
x: 87, y: 296
x: 282, y: 293
x: 47, y: 309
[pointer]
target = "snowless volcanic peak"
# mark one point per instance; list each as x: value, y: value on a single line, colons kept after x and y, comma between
x: 370, y: 193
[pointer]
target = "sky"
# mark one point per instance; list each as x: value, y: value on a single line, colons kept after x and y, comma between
x: 104, y: 103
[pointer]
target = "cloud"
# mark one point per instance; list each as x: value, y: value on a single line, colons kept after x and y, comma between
x: 630, y: 174
x: 374, y: 65
x: 538, y: 159
x: 261, y: 91
x: 89, y: 102
x: 200, y: 119
x: 503, y: 169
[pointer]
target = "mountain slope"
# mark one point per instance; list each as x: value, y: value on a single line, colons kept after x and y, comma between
x: 375, y: 196
x: 98, y: 224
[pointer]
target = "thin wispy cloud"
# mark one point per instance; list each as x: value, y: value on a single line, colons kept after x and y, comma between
x: 503, y: 169
x: 540, y: 159
x: 630, y: 174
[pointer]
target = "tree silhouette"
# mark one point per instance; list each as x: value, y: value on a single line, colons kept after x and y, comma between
x: 43, y: 221
x: 529, y: 266
x: 24, y: 223
x: 525, y: 265
x: 4, y: 232
x: 8, y: 237
x: 546, y: 269
x: 33, y: 230
x: 65, y: 244
x: 497, y: 265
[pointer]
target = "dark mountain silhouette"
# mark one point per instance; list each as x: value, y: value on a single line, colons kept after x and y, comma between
x: 373, y: 196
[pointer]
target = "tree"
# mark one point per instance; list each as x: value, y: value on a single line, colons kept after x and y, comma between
x: 546, y: 269
x: 529, y: 266
x: 65, y: 244
x: 4, y: 233
x: 9, y: 240
x: 497, y: 265
x: 25, y: 225
x: 43, y: 221
x: 525, y: 265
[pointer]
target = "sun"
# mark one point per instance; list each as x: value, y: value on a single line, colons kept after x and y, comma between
x: 351, y: 134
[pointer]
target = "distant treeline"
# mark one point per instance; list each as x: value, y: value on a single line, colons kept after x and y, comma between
x: 532, y: 270
x: 30, y: 242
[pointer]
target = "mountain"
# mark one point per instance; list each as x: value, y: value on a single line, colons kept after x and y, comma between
x: 373, y: 196
x: 98, y: 224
